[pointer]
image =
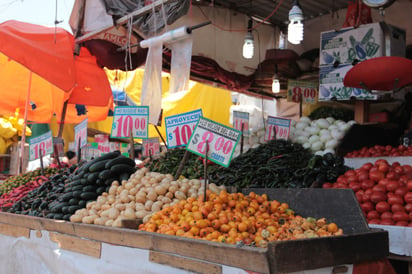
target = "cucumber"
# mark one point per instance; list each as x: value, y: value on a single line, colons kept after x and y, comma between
x: 65, y: 209
x: 108, y: 182
x: 67, y: 196
x: 92, y: 177
x: 76, y: 194
x: 67, y: 217
x: 58, y: 208
x: 105, y: 174
x: 99, y: 166
x: 120, y: 160
x: 124, y: 176
x: 50, y: 215
x: 74, y: 183
x: 58, y: 216
x: 100, y: 190
x: 72, y: 209
x: 88, y: 195
x: 73, y: 201
x: 89, y: 188
x: 122, y: 168
x: 82, y: 203
x: 77, y: 188
x: 84, y: 181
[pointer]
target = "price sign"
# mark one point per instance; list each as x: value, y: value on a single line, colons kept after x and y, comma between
x: 43, y: 143
x: 279, y: 125
x: 307, y: 90
x: 239, y: 118
x: 179, y: 127
x: 126, y: 118
x: 80, y: 132
x: 221, y: 140
x: 151, y: 147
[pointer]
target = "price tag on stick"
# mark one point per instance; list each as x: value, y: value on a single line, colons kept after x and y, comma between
x: 278, y: 126
x: 130, y: 117
x: 302, y: 91
x: 40, y: 145
x: 151, y: 147
x: 179, y: 127
x: 80, y: 133
x: 241, y: 122
x: 221, y: 140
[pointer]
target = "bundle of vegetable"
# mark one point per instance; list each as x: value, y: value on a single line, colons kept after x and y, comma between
x: 144, y: 193
x: 89, y: 181
x: 15, y: 181
x: 337, y: 113
x: 8, y: 199
x: 237, y: 219
x: 321, y: 135
x: 169, y: 163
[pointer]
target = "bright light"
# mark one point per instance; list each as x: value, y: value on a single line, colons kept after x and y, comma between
x: 248, y: 47
x: 295, y: 28
x: 275, y: 85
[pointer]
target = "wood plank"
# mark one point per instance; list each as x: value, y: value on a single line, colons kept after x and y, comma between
x: 188, y: 264
x: 361, y: 111
x: 257, y: 258
x: 14, y: 231
x: 75, y: 244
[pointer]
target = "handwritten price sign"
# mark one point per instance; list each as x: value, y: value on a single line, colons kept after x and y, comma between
x: 179, y: 127
x: 241, y: 118
x: 307, y: 90
x: 221, y: 140
x: 126, y: 118
x: 43, y: 144
x: 80, y: 132
x: 151, y: 147
x: 278, y: 126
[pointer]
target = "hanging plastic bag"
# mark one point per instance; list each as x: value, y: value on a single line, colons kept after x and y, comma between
x: 357, y: 14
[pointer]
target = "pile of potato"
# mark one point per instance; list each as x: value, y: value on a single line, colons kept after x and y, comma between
x: 139, y: 197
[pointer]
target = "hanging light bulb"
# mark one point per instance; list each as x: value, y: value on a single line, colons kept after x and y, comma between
x: 295, y: 28
x: 248, y: 47
x: 275, y: 81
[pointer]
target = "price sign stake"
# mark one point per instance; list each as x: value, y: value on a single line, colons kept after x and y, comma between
x: 241, y: 122
x: 221, y: 140
x: 42, y: 144
x: 277, y: 128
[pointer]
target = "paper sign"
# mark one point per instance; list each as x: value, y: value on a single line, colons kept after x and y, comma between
x: 151, y: 147
x: 279, y: 125
x: 126, y: 118
x: 307, y: 90
x: 43, y: 143
x: 239, y: 118
x: 221, y: 141
x: 80, y: 132
x: 179, y: 127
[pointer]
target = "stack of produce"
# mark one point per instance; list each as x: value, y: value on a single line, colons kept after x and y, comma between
x: 10, y: 128
x: 321, y: 135
x: 379, y: 151
x: 69, y: 191
x: 237, y: 219
x: 383, y: 190
x: 279, y: 164
x: 139, y: 197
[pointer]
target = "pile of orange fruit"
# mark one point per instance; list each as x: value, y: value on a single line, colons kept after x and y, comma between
x: 236, y: 218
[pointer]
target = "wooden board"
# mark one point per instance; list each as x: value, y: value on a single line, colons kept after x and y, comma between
x: 75, y: 244
x: 188, y: 264
x: 14, y: 231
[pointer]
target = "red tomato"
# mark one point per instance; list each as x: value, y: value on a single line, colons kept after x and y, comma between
x: 401, y: 191
x: 383, y: 168
x: 359, y: 197
x: 400, y: 216
x: 367, y: 206
x: 363, y: 175
x: 386, y: 215
x: 410, y: 216
x: 377, y: 196
x: 383, y: 182
x: 355, y: 186
x: 342, y: 179
x: 402, y: 223
x: 379, y: 187
x: 376, y: 175
x: 395, y: 199
x: 397, y: 207
x: 408, y: 197
x: 387, y: 222
x: 408, y: 207
x: 381, y: 161
x: 392, y: 175
x: 366, y: 197
x: 409, y: 185
x: 382, y: 206
x: 350, y: 172
x: 327, y: 185
x: 398, y: 170
x: 374, y: 221
x: 373, y: 214
x: 367, y: 166
x: 392, y: 186
x: 367, y: 184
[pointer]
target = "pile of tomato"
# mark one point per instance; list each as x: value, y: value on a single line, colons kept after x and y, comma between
x: 383, y: 190
x: 379, y: 151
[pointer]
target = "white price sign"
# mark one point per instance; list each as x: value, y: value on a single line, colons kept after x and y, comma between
x: 221, y: 141
x: 151, y: 147
x: 43, y: 144
x: 179, y: 127
x: 80, y: 132
x: 307, y: 91
x: 240, y: 119
x: 277, y: 126
x: 126, y: 118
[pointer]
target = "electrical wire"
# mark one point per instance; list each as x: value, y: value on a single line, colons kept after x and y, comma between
x: 243, y: 30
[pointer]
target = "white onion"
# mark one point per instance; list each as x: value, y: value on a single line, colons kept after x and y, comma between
x: 301, y: 139
x: 331, y: 120
x: 320, y: 152
x: 317, y: 146
x: 325, y: 137
x: 312, y: 130
x: 332, y: 127
x: 307, y: 145
x: 302, y: 125
x: 322, y: 123
x: 305, y: 119
x: 329, y: 150
x: 314, y: 139
x: 352, y: 122
x: 331, y: 144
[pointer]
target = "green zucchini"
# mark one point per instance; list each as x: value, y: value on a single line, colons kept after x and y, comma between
x: 120, y: 160
x: 82, y: 203
x: 122, y: 168
x: 73, y: 201
x: 99, y: 166
x: 77, y: 188
x: 67, y: 196
x: 66, y: 217
x: 105, y: 174
x: 92, y: 177
x: 58, y: 216
x: 100, y: 190
x: 88, y: 195
x: 109, y: 181
x: 72, y: 209
x: 76, y: 194
x: 89, y: 188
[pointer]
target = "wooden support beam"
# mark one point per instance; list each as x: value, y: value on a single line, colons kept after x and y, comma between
x: 361, y: 111
x: 14, y: 231
x: 76, y: 244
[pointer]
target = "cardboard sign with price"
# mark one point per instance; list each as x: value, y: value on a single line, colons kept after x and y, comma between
x: 179, y: 127
x: 308, y: 90
x: 43, y: 143
x: 279, y: 125
x: 151, y: 147
x: 126, y: 118
x: 80, y: 132
x: 239, y: 118
x: 221, y: 140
